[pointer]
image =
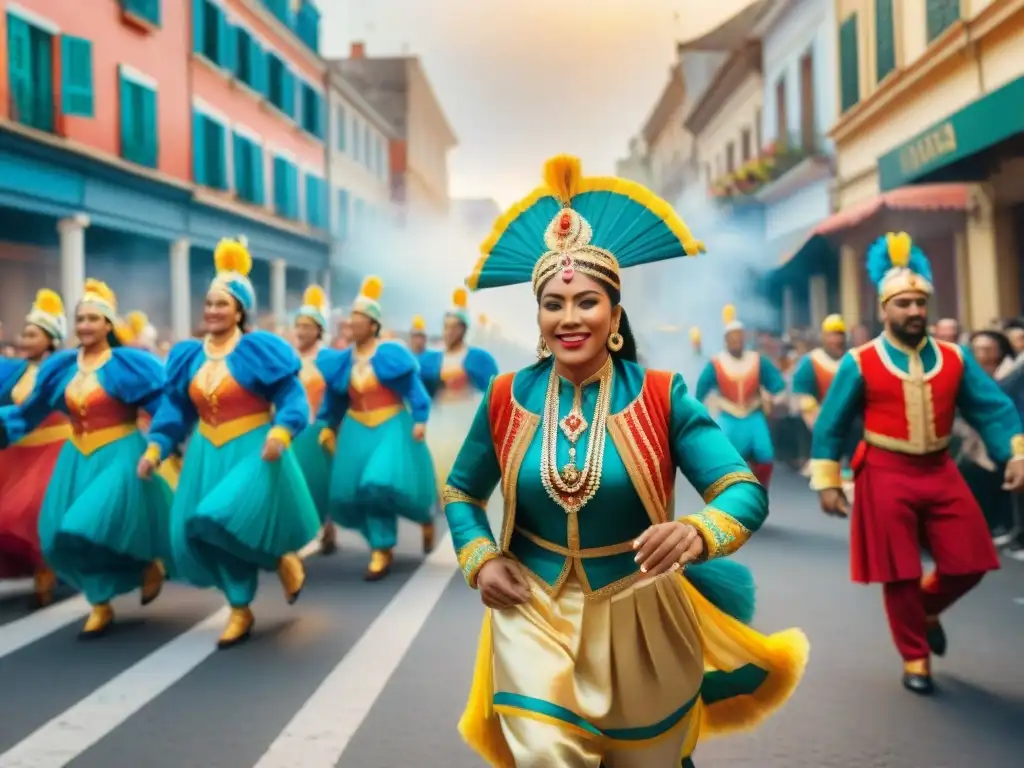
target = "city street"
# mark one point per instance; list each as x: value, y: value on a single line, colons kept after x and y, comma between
x: 375, y: 675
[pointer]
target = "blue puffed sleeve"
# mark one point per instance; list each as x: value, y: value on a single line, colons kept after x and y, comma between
x: 174, y: 419
x: 480, y: 368
x: 843, y: 402
x: 11, y: 371
x: 990, y: 411
x: 266, y: 365
x: 707, y: 382
x: 771, y: 376
x: 47, y: 396
x: 430, y: 362
x: 396, y: 368
x: 334, y: 365
x: 134, y: 376
x: 736, y: 505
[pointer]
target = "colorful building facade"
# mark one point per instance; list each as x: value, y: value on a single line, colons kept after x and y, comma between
x: 135, y: 134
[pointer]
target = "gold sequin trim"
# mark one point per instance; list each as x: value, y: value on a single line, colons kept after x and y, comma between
x: 825, y: 474
x: 1017, y: 447
x: 452, y: 495
x: 714, y: 490
x: 723, y: 534
x: 473, y: 555
x: 576, y: 552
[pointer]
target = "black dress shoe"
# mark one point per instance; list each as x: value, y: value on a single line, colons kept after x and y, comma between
x: 937, y: 639
x: 922, y: 685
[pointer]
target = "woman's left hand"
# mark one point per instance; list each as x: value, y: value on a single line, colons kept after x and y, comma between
x: 667, y: 546
x: 272, y: 449
x: 419, y: 432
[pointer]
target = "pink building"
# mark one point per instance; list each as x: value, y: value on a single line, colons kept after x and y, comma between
x: 136, y: 133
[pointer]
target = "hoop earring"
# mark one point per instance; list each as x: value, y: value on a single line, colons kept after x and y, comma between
x: 615, y: 341
x: 542, y: 349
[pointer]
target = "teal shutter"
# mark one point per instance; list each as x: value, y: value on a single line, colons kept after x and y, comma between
x: 76, y: 76
x: 342, y: 117
x: 229, y: 47
x: 128, y: 149
x: 223, y: 28
x: 287, y: 92
x: 293, y: 191
x: 221, y: 156
x: 885, y: 35
x: 199, y: 148
x: 940, y: 15
x: 256, y: 155
x: 198, y: 25
x: 849, y: 63
x: 150, y: 149
x: 259, y: 69
x: 310, y: 198
x: 19, y: 64
x: 241, y: 188
x: 343, y: 214
x: 42, y: 54
x: 280, y: 187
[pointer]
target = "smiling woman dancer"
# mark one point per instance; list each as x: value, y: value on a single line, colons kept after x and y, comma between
x: 598, y: 648
x: 101, y: 529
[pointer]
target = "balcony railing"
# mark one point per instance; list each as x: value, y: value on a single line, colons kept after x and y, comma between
x: 776, y: 159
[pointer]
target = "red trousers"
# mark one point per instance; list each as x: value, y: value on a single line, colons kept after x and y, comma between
x: 911, y: 605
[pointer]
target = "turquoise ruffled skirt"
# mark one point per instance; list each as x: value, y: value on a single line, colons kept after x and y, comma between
x: 100, y: 526
x: 235, y: 514
x: 380, y: 474
x: 315, y: 464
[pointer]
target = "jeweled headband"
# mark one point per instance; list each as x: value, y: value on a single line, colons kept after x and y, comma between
x: 569, y: 251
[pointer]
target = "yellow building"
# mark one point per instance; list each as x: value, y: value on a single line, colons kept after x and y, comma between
x: 930, y: 140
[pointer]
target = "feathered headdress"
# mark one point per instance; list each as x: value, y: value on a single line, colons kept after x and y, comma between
x: 833, y: 324
x: 98, y: 296
x: 460, y: 306
x: 895, y: 265
x: 729, y: 319
x: 314, y: 306
x: 137, y: 330
x: 571, y: 223
x: 234, y: 263
x: 368, y: 301
x: 419, y: 325
x: 48, y: 313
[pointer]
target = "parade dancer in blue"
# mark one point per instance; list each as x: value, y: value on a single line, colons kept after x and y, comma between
x: 737, y: 375
x: 242, y: 504
x: 101, y: 528
x: 375, y: 410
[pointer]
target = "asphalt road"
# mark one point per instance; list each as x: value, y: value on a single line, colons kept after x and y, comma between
x: 375, y: 675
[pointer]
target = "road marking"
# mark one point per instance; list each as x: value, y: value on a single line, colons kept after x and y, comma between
x: 16, y: 588
x: 72, y: 732
x: 321, y: 731
x: 38, y: 624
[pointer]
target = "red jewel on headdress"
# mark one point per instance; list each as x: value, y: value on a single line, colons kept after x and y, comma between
x: 566, y: 223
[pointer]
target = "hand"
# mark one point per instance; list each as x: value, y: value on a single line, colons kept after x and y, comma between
x: 328, y: 440
x: 419, y: 431
x: 667, y: 546
x: 501, y: 584
x: 272, y: 449
x: 833, y: 502
x: 1013, y: 479
x: 145, y: 468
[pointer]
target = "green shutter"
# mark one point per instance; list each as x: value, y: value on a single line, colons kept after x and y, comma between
x: 150, y: 128
x: 144, y: 9
x: 849, y: 63
x: 885, y: 36
x: 199, y: 148
x: 76, y: 76
x: 241, y: 171
x: 19, y: 64
x: 42, y: 64
x: 256, y: 159
x: 941, y: 14
x: 198, y: 25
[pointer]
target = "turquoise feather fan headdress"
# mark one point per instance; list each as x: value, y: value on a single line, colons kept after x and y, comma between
x: 895, y: 265
x: 597, y: 226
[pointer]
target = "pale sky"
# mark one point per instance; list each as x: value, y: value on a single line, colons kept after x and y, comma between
x: 521, y: 80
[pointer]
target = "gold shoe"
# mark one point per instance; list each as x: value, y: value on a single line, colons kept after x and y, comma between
x: 99, y: 621
x: 292, y: 574
x: 239, y: 628
x: 152, y: 581
x: 380, y: 565
x: 428, y: 538
x: 45, y: 582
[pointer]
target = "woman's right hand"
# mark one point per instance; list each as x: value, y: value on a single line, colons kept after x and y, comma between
x: 145, y: 468
x: 501, y: 584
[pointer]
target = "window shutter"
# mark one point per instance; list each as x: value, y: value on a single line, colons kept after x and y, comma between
x: 224, y: 38
x: 42, y: 66
x: 198, y: 25
x: 238, y: 144
x: 849, y: 63
x: 885, y: 53
x: 288, y: 80
x: 259, y: 69
x: 198, y: 148
x: 76, y: 76
x: 128, y: 143
x: 940, y: 15
x: 256, y: 156
x: 19, y: 61
x: 150, y: 150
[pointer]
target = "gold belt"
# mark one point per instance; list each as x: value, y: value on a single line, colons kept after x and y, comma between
x: 226, y: 431
x: 46, y: 436
x: 739, y: 411
x: 577, y: 554
x: 376, y: 416
x: 89, y: 442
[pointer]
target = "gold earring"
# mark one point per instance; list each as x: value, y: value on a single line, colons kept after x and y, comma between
x: 542, y: 349
x: 615, y: 341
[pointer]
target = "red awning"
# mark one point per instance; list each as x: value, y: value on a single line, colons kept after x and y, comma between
x: 917, y: 197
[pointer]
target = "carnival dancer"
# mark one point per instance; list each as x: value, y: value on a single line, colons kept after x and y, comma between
x: 737, y: 376
x: 309, y: 330
x: 26, y: 466
x: 908, y: 386
x: 428, y: 359
x: 242, y: 504
x: 597, y: 647
x: 101, y: 529
x: 375, y: 410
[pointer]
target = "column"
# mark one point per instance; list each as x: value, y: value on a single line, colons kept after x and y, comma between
x: 72, y: 262
x: 817, y: 300
x: 181, y: 289
x: 850, y: 267
x: 279, y: 291
x: 788, y: 309
x: 963, y: 278
x: 982, y: 259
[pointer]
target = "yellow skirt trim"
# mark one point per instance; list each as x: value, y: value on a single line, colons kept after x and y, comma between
x: 170, y: 470
x: 728, y: 645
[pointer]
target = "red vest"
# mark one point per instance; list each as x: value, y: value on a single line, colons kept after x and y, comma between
x: 739, y: 391
x: 823, y: 371
x: 910, y: 412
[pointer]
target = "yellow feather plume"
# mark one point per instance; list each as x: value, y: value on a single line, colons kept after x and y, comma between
x: 899, y: 244
x: 418, y: 323
x: 372, y: 288
x: 314, y: 296
x: 482, y: 319
x: 137, y: 321
x: 233, y: 255
x: 728, y: 314
x: 49, y: 302
x: 695, y: 335
x: 562, y: 176
x: 123, y: 333
x: 460, y: 298
x: 101, y: 289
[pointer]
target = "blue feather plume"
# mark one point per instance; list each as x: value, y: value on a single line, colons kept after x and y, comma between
x: 727, y: 585
x: 879, y: 263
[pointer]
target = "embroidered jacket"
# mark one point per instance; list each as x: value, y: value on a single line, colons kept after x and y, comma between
x: 909, y: 399
x: 812, y: 378
x: 654, y: 427
x: 738, y: 382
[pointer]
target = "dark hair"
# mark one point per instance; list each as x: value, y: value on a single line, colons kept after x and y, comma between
x: 999, y: 339
x: 628, y: 351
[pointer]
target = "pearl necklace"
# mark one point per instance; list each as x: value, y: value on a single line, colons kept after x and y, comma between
x: 572, y: 488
